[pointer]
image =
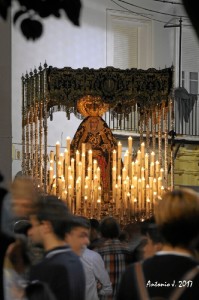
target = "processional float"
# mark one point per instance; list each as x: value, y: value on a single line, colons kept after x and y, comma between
x: 91, y: 175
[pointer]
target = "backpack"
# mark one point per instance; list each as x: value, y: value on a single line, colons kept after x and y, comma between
x: 176, y: 293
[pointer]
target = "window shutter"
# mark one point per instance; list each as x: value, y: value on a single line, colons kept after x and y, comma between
x: 125, y: 45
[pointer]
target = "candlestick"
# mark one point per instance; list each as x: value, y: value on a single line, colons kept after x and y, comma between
x: 119, y: 157
x: 152, y: 157
x: 52, y: 156
x: 68, y: 145
x: 83, y: 148
x: 77, y: 158
x: 114, y: 158
x: 142, y: 154
x: 66, y: 165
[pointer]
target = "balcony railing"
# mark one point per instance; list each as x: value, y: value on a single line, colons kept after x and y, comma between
x: 186, y: 121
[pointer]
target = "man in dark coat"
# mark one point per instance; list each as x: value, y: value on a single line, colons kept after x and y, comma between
x: 61, y: 269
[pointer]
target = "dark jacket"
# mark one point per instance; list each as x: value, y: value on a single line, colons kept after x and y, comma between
x: 162, y: 274
x: 62, y: 270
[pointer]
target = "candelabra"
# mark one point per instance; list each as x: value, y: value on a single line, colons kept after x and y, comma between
x: 136, y: 182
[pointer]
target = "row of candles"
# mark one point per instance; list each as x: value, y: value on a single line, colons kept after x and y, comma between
x: 75, y: 178
x: 135, y: 184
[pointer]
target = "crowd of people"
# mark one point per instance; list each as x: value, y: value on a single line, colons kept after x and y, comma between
x: 47, y: 253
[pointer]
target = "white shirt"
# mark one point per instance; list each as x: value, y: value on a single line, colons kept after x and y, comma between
x: 95, y: 271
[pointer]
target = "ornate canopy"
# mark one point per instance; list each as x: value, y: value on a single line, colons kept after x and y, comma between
x: 114, y: 86
x: 50, y: 89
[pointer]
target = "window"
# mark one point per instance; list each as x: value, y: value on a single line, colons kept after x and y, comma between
x: 129, y: 41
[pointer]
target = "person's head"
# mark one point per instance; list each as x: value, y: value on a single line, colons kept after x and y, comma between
x: 94, y: 121
x: 152, y: 239
x: 24, y: 193
x: 94, y: 229
x: 49, y: 221
x: 133, y: 230
x: 37, y: 290
x: 77, y: 234
x: 110, y: 228
x: 177, y: 216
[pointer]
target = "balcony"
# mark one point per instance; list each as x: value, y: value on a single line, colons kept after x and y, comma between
x: 186, y: 121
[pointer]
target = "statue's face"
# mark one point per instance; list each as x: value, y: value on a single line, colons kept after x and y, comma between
x: 94, y: 124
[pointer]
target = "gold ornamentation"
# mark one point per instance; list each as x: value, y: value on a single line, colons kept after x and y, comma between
x: 91, y: 106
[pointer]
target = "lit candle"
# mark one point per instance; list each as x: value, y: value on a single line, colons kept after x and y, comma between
x: 135, y: 185
x: 59, y: 169
x: 98, y: 174
x: 159, y: 185
x: 142, y: 154
x: 95, y: 186
x: 140, y: 193
x: 94, y: 168
x: 139, y: 157
x: 70, y: 199
x: 142, y: 172
x: 86, y: 190
x: 78, y: 194
x: 152, y: 169
x: 114, y: 158
x: 77, y: 156
x: 119, y: 179
x: 154, y: 185
x: 126, y: 161
x: 154, y: 197
x: 60, y: 187
x: 73, y: 167
x: 147, y: 168
x: 157, y: 169
x: 113, y: 181
x: 57, y: 160
x: 143, y: 191
x: 148, y: 205
x: 66, y: 165
x: 90, y: 157
x: 130, y: 145
x: 147, y: 192
x: 51, y: 173
x: 119, y: 157
x: 83, y: 148
x: 52, y: 156
x: 99, y: 192
x: 135, y: 206
x: 57, y: 150
x: 68, y: 145
x: 132, y: 169
x: 124, y: 174
x: 61, y: 159
x: 162, y: 190
x: 132, y: 192
x: 83, y: 170
x: 152, y: 157
x: 127, y: 184
x: 89, y: 173
x: 80, y: 169
x: 162, y: 173
x: 116, y: 197
x: 151, y: 187
x: 54, y: 189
